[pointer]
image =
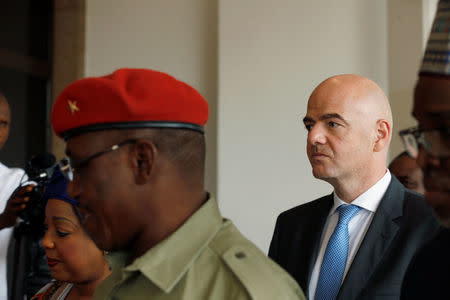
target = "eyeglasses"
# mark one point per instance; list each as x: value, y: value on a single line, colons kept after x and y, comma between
x: 436, y: 141
x: 68, y: 169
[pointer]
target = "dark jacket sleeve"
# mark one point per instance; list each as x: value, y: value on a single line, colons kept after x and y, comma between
x: 274, y: 244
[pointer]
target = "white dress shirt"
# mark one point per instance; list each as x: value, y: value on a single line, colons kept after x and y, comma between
x: 9, y: 181
x: 357, y: 227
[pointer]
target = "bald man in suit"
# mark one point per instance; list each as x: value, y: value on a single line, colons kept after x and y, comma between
x: 349, y: 124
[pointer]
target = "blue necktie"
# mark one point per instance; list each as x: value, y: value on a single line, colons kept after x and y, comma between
x: 335, y: 257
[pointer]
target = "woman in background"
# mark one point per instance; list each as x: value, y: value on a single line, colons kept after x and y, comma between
x: 75, y: 262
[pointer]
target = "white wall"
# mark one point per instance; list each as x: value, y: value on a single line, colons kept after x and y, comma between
x: 429, y: 8
x: 409, y: 23
x: 178, y: 37
x: 271, y: 56
x: 256, y: 61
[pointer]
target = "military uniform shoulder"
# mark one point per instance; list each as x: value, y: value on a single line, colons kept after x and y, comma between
x: 259, y: 275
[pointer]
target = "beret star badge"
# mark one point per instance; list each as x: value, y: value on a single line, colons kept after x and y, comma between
x: 128, y: 98
x: 73, y: 106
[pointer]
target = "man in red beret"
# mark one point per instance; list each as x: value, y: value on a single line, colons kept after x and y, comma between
x: 136, y: 145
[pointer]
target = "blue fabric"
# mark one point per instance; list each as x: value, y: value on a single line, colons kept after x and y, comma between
x: 57, y: 188
x: 335, y: 257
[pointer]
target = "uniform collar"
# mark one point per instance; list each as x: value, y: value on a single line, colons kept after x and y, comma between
x: 167, y: 262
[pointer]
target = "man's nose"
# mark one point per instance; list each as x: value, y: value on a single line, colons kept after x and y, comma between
x: 316, y: 135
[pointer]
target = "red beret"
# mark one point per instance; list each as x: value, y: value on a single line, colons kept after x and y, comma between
x: 128, y: 98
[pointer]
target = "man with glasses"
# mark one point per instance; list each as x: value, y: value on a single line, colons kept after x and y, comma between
x: 428, y: 276
x: 136, y: 147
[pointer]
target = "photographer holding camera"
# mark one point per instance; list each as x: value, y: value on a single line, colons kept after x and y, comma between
x: 10, y: 206
x: 23, y: 268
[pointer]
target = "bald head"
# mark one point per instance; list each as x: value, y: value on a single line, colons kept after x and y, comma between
x: 5, y: 119
x: 349, y: 123
x: 357, y: 91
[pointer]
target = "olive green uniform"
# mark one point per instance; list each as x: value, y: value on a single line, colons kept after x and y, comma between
x: 206, y: 258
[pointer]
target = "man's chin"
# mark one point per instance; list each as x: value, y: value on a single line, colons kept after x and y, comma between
x: 320, y: 174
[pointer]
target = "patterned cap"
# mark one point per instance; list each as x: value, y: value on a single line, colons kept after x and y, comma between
x: 437, y: 54
x: 128, y: 98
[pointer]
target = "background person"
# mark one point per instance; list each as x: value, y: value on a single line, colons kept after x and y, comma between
x: 17, y: 280
x: 75, y: 262
x: 9, y: 180
x: 428, y: 276
x: 408, y: 172
x: 357, y: 242
x: 136, y: 144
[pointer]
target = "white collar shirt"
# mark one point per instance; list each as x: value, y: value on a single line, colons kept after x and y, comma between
x: 9, y: 180
x: 357, y: 227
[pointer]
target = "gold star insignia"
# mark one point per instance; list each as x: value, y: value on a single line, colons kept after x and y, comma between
x: 73, y: 106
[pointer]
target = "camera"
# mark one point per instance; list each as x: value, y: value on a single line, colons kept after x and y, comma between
x: 39, y: 171
x: 29, y: 267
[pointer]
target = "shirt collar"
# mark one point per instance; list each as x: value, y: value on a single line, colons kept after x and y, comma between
x: 371, y: 198
x: 167, y: 262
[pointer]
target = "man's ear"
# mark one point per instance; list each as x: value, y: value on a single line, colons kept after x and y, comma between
x: 143, y: 160
x: 383, y: 135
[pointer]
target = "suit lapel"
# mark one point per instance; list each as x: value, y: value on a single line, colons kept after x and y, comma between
x: 380, y: 234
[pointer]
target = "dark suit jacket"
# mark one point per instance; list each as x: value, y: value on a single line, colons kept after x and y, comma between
x: 428, y: 275
x: 401, y: 224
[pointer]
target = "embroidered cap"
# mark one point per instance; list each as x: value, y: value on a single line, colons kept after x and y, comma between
x: 437, y: 53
